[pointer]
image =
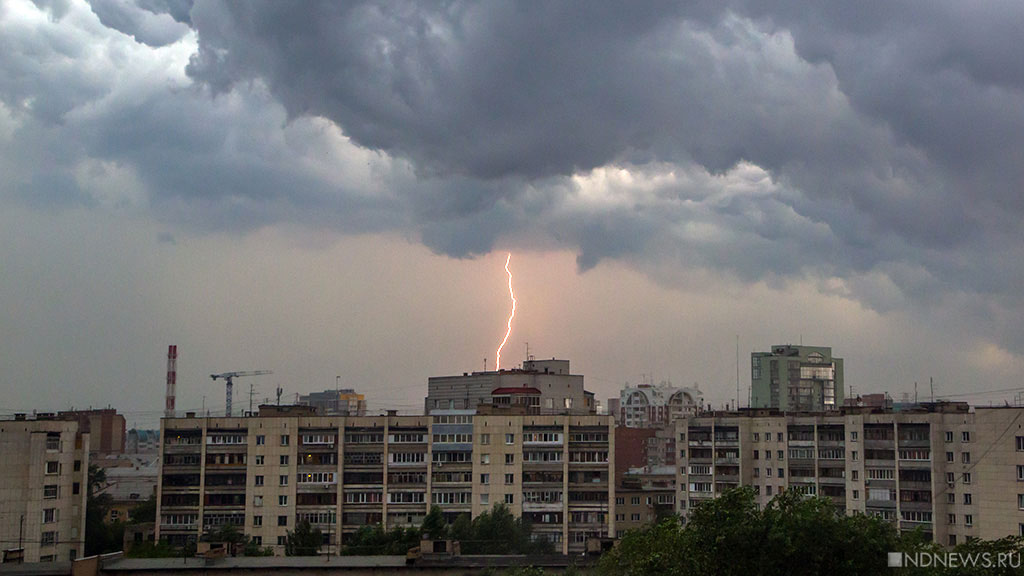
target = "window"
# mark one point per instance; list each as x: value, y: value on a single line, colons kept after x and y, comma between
x: 257, y: 520
x: 485, y: 499
x: 780, y: 455
x: 53, y: 440
x: 510, y: 478
x: 485, y: 479
x: 76, y: 488
x: 50, y: 491
x: 949, y: 457
x: 949, y: 436
x: 967, y: 477
x: 856, y: 475
x: 49, y: 515
x: 768, y: 490
x: 1020, y: 472
x: 782, y: 472
x: 1020, y: 501
x: 967, y: 499
x: 282, y: 520
x: 968, y: 520
x: 778, y: 437
x: 509, y: 499
x: 259, y: 460
x: 1020, y: 443
x: 767, y: 454
x: 284, y: 439
x: 966, y: 457
x: 510, y: 459
x: 853, y: 455
x: 53, y: 467
x: 756, y: 455
x: 257, y: 500
x: 261, y: 440
x: 757, y: 436
x: 768, y: 472
x: 282, y: 500
x: 49, y: 538
x: 284, y: 460
x: 757, y: 472
x: 257, y: 540
x: 284, y: 479
x: 78, y: 465
x: 856, y: 494
x: 510, y: 438
x: 951, y: 518
x: 853, y: 436
x: 568, y: 403
x: 950, y: 498
x: 485, y: 439
x: 965, y: 436
x: 950, y: 478
x: 282, y: 540
x: 258, y: 480
x: 485, y: 458
x: 620, y: 500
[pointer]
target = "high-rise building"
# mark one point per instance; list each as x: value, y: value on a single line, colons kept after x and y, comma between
x: 264, y: 473
x: 796, y: 378
x: 952, y: 471
x: 560, y: 391
x: 647, y: 406
x: 343, y: 402
x: 104, y: 425
x: 43, y: 484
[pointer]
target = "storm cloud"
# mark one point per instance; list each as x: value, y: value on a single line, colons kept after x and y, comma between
x: 873, y: 149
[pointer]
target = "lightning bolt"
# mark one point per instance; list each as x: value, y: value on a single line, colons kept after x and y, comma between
x: 510, y: 316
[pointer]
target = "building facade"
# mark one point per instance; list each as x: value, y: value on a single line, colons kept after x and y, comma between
x: 953, y: 471
x: 796, y: 378
x: 43, y: 484
x: 343, y: 402
x: 560, y: 391
x: 265, y: 473
x: 105, y: 426
x: 648, y: 406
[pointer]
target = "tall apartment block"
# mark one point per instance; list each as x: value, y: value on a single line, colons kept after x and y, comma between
x: 796, y: 378
x: 560, y: 391
x: 43, y: 488
x: 954, y: 471
x: 265, y: 473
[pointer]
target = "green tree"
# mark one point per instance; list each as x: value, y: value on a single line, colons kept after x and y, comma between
x: 793, y: 535
x: 144, y: 511
x: 100, y: 537
x: 304, y: 541
x: 434, y: 525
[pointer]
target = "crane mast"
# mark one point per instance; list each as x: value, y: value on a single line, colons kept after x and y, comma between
x: 228, y: 378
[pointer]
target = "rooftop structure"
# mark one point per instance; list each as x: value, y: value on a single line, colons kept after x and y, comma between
x: 796, y: 378
x: 561, y: 392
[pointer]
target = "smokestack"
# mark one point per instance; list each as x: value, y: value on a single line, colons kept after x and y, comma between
x: 172, y: 379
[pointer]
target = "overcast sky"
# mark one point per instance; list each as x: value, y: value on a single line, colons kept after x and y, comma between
x: 331, y: 189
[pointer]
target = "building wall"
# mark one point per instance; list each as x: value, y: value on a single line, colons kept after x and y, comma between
x: 43, y: 481
x: 557, y: 387
x: 105, y: 426
x: 384, y: 469
x: 950, y: 471
x: 771, y: 379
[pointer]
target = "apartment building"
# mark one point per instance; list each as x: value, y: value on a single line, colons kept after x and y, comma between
x: 267, y: 472
x: 558, y: 390
x: 343, y: 402
x: 647, y: 406
x: 43, y: 488
x: 796, y: 378
x: 955, y: 471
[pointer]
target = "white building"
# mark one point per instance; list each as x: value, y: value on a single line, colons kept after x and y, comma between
x: 647, y: 406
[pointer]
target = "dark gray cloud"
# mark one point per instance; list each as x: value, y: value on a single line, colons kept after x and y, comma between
x: 876, y: 147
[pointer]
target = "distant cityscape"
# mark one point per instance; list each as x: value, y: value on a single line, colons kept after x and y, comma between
x: 530, y: 439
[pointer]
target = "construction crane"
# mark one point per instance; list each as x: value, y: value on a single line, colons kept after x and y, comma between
x: 228, y: 378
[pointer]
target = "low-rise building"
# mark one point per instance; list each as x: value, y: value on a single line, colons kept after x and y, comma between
x: 43, y: 484
x: 265, y: 473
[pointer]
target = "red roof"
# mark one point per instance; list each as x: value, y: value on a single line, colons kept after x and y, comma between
x: 515, y: 390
